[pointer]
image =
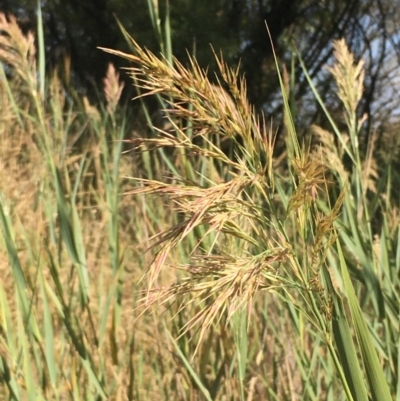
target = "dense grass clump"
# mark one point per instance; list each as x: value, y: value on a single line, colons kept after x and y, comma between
x: 201, y: 264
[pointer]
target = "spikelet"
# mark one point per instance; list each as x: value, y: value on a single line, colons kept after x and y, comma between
x: 348, y: 75
x: 18, y: 51
x: 112, y: 88
x: 330, y: 154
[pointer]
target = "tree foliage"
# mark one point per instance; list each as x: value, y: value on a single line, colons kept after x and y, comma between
x: 74, y: 29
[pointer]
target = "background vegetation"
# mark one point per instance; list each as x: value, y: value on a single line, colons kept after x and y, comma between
x: 209, y: 255
x: 73, y: 30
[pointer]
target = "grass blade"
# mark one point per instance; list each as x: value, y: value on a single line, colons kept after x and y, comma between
x: 189, y: 368
x: 375, y: 376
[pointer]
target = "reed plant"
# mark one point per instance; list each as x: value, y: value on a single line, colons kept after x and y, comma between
x: 261, y: 231
x: 205, y: 263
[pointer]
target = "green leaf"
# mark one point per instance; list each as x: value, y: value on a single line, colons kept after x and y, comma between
x: 189, y: 368
x: 376, y: 379
x: 347, y: 353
